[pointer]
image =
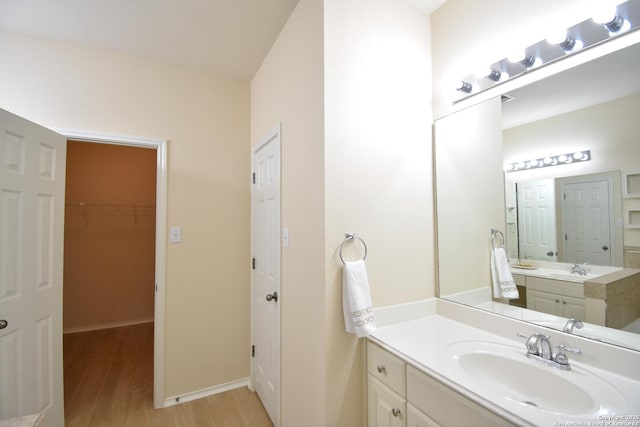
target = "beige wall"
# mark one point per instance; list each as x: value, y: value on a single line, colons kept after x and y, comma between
x: 378, y: 171
x: 368, y: 70
x: 288, y: 89
x: 206, y: 120
x: 109, y: 242
x: 609, y: 130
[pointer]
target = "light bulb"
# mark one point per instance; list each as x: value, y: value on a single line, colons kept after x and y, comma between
x: 607, y: 15
x: 557, y: 36
x: 523, y: 58
x: 464, y: 86
x: 604, y: 14
x: 489, y: 73
x: 561, y: 38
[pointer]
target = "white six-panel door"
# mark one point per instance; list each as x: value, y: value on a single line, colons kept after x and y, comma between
x: 32, y: 185
x: 537, y: 220
x: 266, y: 276
x: 586, y: 222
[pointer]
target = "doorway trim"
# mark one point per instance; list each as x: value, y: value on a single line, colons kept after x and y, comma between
x: 160, y: 145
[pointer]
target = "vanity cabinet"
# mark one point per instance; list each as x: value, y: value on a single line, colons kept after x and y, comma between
x: 401, y: 395
x: 386, y: 377
x: 557, y: 297
x: 557, y: 304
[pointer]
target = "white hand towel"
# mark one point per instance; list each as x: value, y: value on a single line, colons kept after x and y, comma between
x: 356, y: 299
x: 503, y: 284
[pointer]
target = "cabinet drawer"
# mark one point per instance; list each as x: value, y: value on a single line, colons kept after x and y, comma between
x: 445, y: 406
x: 387, y: 368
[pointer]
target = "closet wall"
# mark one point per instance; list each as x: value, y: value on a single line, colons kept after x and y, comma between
x: 109, y: 249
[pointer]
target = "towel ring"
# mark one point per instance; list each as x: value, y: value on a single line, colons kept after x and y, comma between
x: 349, y: 237
x: 494, y: 233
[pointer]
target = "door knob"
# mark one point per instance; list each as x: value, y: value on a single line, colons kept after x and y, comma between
x: 3, y: 324
x: 272, y: 297
x: 605, y: 248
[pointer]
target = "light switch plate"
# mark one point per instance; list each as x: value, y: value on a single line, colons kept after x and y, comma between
x: 175, y: 234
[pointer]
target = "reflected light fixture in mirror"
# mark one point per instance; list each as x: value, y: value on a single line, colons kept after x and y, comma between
x: 560, y: 159
x: 604, y: 25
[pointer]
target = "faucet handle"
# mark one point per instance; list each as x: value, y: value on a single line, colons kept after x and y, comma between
x: 562, y: 358
x: 562, y: 348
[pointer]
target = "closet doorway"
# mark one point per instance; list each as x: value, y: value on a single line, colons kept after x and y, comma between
x: 109, y: 244
x: 115, y: 237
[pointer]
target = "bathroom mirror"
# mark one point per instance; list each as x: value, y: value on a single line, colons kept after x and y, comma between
x: 593, y: 107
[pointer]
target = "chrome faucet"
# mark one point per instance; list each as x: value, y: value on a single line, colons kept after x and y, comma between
x: 579, y: 269
x: 571, y: 323
x: 540, y: 345
x: 539, y: 349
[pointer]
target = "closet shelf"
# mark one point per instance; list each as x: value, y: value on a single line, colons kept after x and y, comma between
x: 109, y: 205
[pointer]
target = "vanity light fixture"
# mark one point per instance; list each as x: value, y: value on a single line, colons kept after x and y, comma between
x: 560, y: 159
x: 600, y: 28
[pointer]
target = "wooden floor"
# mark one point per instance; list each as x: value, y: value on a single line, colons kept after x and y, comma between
x: 108, y: 381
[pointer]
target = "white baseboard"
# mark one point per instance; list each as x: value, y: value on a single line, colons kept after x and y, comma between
x: 199, y: 394
x: 106, y: 326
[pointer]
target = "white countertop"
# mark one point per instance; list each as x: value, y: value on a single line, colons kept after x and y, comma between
x: 560, y: 271
x: 424, y: 342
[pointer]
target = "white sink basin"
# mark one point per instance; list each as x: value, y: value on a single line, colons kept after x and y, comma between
x: 505, y: 372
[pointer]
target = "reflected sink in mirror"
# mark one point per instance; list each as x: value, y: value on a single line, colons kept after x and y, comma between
x: 573, y: 277
x: 505, y: 372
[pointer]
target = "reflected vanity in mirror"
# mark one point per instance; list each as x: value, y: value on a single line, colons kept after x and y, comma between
x: 572, y: 226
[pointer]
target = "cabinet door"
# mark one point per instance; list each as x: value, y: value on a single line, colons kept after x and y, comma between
x: 544, y: 302
x: 415, y: 418
x: 574, y: 307
x: 386, y: 408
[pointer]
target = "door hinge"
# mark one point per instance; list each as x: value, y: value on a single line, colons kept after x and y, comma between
x: 253, y: 178
x: 565, y: 237
x: 156, y: 287
x: 253, y: 263
x: 253, y: 351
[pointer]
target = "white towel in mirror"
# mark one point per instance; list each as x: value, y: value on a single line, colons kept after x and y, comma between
x: 503, y: 284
